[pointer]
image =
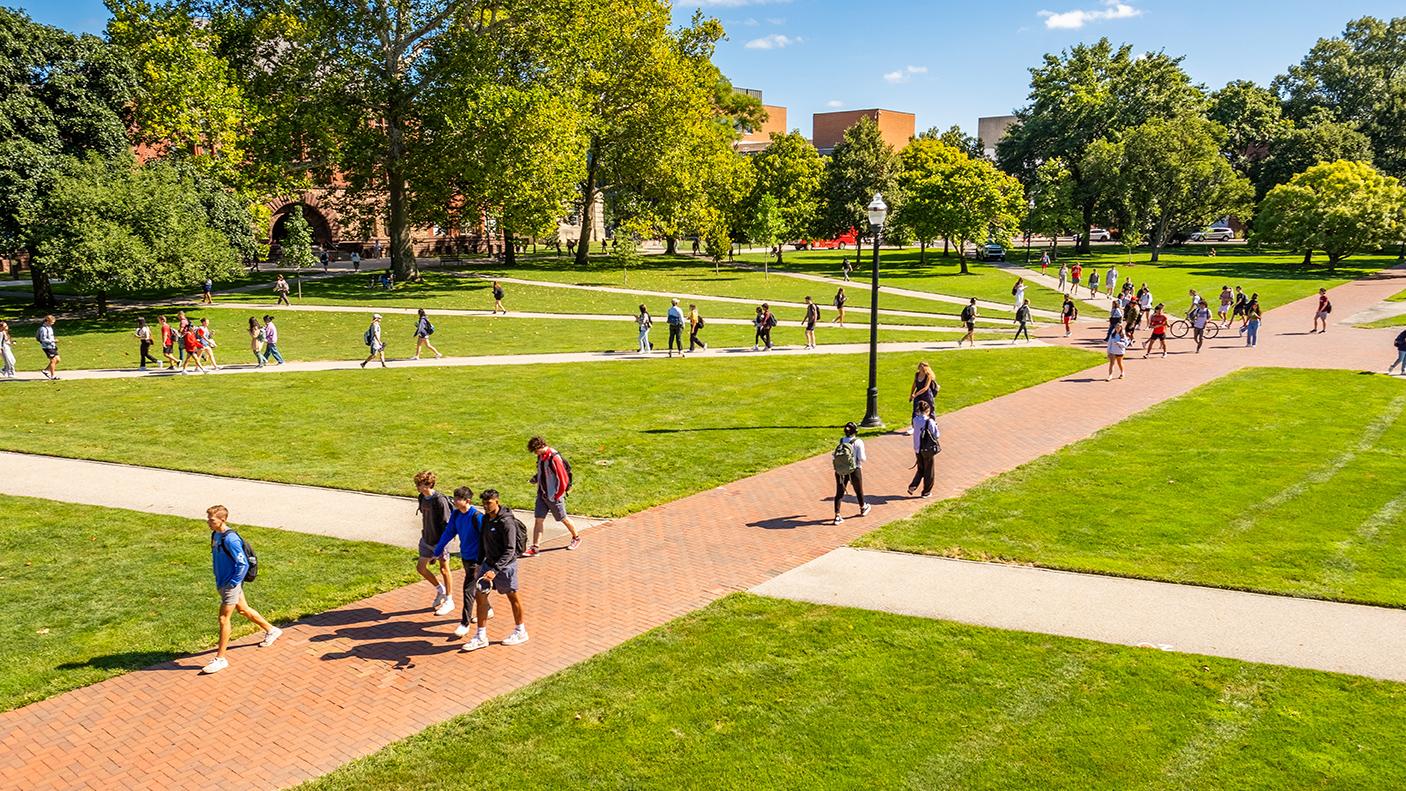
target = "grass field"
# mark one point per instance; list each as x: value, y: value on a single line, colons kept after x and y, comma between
x: 638, y: 433
x: 1274, y: 480
x: 89, y: 593
x: 760, y: 693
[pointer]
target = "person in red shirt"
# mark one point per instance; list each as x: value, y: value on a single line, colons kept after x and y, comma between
x: 191, y: 344
x: 1321, y: 315
x: 1158, y: 323
x: 168, y: 343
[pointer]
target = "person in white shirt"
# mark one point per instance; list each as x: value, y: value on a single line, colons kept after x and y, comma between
x: 143, y: 336
x: 849, y: 460
x: 1117, y: 347
x: 925, y: 448
x: 1063, y: 276
x: 7, y: 351
x: 50, y: 344
x: 1110, y: 280
x: 374, y: 343
x: 1018, y: 292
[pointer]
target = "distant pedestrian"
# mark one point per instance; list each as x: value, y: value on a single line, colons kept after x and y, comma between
x: 376, y: 250
x: 1158, y: 324
x: 190, y: 344
x: 424, y: 328
x: 498, y: 569
x: 695, y: 245
x: 182, y: 324
x: 207, y: 295
x: 1115, y: 318
x: 553, y: 479
x: 143, y: 336
x: 168, y: 343
x: 49, y: 344
x: 848, y: 460
x: 1022, y: 319
x: 757, y: 329
x: 433, y: 509
x: 1320, y: 315
x: 845, y: 268
x: 1144, y: 302
x: 280, y: 287
x: 1093, y: 283
x: 1063, y: 276
x: 1400, y: 344
x: 1200, y: 317
x: 1117, y: 348
x: 1076, y: 273
x: 1045, y: 264
x: 1195, y: 299
x: 695, y: 325
x: 1110, y: 280
x: 1018, y: 292
x: 969, y: 314
x: 644, y: 321
x: 1241, y: 301
x: 235, y: 563
x: 498, y: 299
x: 206, y: 338
x: 1227, y: 299
x: 256, y: 340
x: 1068, y: 312
x: 7, y: 352
x: 1251, y: 328
x: 926, y: 446
x: 375, y: 343
x: 1132, y: 317
x: 768, y: 323
x: 465, y: 524
x: 925, y: 388
x: 356, y: 261
x: 325, y: 259
x: 812, y: 316
x: 839, y: 303
x: 271, y: 341
x: 675, y: 319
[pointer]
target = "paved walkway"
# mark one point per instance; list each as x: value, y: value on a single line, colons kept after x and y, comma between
x: 357, y: 516
x: 1282, y: 630
x: 345, y: 683
x: 1103, y: 302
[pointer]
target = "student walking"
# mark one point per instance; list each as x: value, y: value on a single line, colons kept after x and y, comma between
x: 234, y: 563
x: 1132, y: 317
x: 1022, y: 318
x: 1093, y: 283
x: 49, y: 343
x: 190, y: 344
x: 1144, y: 302
x: 675, y: 319
x: 498, y: 299
x: 1117, y: 348
x: 498, y: 569
x: 695, y: 324
x: 1251, y: 328
x: 271, y: 341
x: 1045, y: 262
x: 1320, y: 316
x: 7, y: 352
x: 1063, y: 276
x: 143, y: 336
x: 768, y: 322
x: 206, y: 292
x: 1227, y: 298
x: 1018, y: 291
x: 845, y: 268
x: 848, y: 459
x: 1400, y: 344
x: 356, y: 261
x: 1068, y: 312
x: 375, y: 345
x: 925, y: 388
x: 465, y: 524
x: 1238, y: 312
x: 926, y: 446
x: 1110, y: 280
x: 433, y: 509
x: 969, y: 314
x: 168, y: 343
x: 1115, y: 317
x: 757, y: 329
x: 1076, y: 272
x: 1158, y: 324
x: 644, y: 321
x: 1200, y: 316
x: 839, y: 303
x: 553, y: 479
x: 280, y: 287
x: 206, y: 338
x: 182, y: 324
x: 256, y: 341
x: 812, y: 316
x: 424, y: 328
x: 325, y: 259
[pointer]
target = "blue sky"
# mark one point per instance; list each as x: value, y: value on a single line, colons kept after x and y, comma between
x: 951, y: 62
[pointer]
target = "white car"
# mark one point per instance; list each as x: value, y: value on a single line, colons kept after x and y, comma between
x: 1217, y: 234
x: 1099, y: 235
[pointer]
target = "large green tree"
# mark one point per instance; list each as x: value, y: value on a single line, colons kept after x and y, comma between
x: 860, y: 165
x: 925, y: 167
x: 1300, y: 146
x: 1341, y: 208
x: 790, y: 172
x: 1052, y: 192
x: 955, y: 137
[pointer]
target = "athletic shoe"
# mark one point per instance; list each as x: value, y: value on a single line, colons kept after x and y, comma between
x: 838, y: 519
x: 439, y: 598
x: 445, y: 607
x: 531, y: 551
x: 864, y: 509
x: 912, y: 489
x: 462, y: 629
x: 47, y: 376
x: 270, y: 636
x: 216, y: 665
x: 474, y: 644
x: 575, y: 542
x: 518, y: 637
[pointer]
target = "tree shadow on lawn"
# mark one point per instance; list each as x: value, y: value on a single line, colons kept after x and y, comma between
x: 732, y: 428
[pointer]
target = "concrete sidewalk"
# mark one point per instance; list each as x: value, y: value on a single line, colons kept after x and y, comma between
x: 1281, y: 630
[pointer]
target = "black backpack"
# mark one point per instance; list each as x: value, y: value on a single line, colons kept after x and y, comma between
x: 249, y: 555
x: 928, y: 442
x: 967, y: 313
x: 770, y: 320
x: 520, y: 530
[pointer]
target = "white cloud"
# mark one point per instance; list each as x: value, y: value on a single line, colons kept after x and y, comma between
x: 904, y: 74
x: 773, y: 41
x: 834, y: 104
x: 775, y: 20
x: 1073, y: 20
x: 750, y: 22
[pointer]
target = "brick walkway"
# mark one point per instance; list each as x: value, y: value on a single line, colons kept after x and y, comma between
x: 344, y: 683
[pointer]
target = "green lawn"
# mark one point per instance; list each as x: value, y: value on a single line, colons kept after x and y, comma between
x: 760, y: 693
x: 90, y: 593
x: 638, y: 433
x: 1284, y: 481
x: 303, y: 335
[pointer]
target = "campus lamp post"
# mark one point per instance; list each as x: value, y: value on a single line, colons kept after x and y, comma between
x: 1029, y: 229
x: 877, y: 211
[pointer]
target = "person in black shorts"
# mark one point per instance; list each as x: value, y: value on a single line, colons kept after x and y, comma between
x: 812, y: 316
x: 969, y: 320
x: 498, y: 298
x: 434, y: 515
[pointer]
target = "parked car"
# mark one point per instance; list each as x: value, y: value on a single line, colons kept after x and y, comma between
x: 839, y: 242
x: 1099, y: 235
x: 993, y: 252
x: 1218, y: 233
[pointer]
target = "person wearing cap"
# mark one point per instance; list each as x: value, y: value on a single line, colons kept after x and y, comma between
x: 848, y: 460
x: 373, y: 342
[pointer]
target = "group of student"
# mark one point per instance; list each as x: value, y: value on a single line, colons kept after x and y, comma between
x: 490, y: 537
x: 1129, y: 309
x: 762, y: 324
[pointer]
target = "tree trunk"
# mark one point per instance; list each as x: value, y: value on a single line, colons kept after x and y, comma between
x: 509, y: 249
x: 1333, y: 260
x: 779, y: 247
x: 397, y: 224
x: 1159, y: 237
x: 922, y: 252
x: 1084, y: 240
x: 102, y: 303
x: 962, y: 254
x: 583, y: 246
x: 945, y: 253
x: 671, y: 246
x: 1308, y: 257
x: 43, y: 289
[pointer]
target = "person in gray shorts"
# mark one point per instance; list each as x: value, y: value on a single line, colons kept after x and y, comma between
x: 553, y: 481
x: 434, y: 518
x: 231, y: 563
x: 497, y: 568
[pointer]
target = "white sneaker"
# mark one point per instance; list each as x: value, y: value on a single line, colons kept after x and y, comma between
x: 461, y: 630
x: 438, y: 600
x: 838, y: 519
x: 518, y: 637
x: 475, y: 644
x: 865, y: 510
x: 445, y: 607
x: 216, y: 665
x: 270, y: 636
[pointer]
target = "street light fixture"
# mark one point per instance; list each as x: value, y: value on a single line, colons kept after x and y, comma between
x: 878, y: 211
x: 1029, y: 228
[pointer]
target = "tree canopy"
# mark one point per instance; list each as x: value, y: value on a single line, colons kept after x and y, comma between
x: 860, y: 165
x: 1341, y: 208
x: 790, y: 172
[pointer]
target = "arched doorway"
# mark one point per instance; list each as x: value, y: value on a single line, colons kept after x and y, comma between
x: 321, y: 229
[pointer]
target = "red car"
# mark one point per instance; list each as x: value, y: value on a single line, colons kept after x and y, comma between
x: 839, y: 242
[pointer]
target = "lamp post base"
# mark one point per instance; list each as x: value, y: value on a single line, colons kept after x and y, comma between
x: 871, y: 411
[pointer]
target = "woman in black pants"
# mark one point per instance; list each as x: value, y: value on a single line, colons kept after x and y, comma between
x: 849, y: 459
x: 925, y: 448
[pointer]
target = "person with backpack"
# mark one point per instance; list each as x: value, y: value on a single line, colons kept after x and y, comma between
x: 969, y: 314
x: 235, y: 563
x: 168, y: 343
x: 190, y: 343
x: 465, y: 524
x: 812, y: 316
x: 49, y: 344
x: 553, y: 479
x: 433, y: 509
x: 374, y: 342
x: 926, y: 446
x: 1320, y: 316
x: 695, y: 323
x: 500, y: 541
x: 848, y: 459
x: 498, y: 299
x: 1022, y: 318
x: 839, y: 303
x: 143, y: 336
x: 644, y: 321
x: 1018, y: 292
x: 423, y: 330
x: 1400, y: 354
x: 271, y: 341
x: 675, y: 319
x: 1239, y: 310
x: 1068, y: 312
x: 1200, y: 317
x: 280, y: 287
x: 925, y: 387
x: 757, y: 329
x: 768, y: 322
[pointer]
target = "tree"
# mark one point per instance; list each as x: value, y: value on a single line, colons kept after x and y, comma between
x: 768, y: 226
x: 1359, y: 77
x: 861, y: 165
x: 1297, y: 148
x: 297, y: 245
x: 112, y: 226
x: 1054, y: 211
x: 61, y: 96
x: 789, y: 171
x: 1341, y: 208
x: 1252, y: 118
x: 923, y: 167
x: 1085, y: 94
x: 956, y: 138
x: 986, y: 204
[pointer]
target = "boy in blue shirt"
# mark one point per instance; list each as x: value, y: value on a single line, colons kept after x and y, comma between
x: 231, y: 565
x: 465, y: 522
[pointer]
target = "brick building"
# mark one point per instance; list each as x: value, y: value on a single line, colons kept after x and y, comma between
x: 896, y: 128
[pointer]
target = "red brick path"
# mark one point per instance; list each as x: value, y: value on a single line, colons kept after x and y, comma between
x: 344, y: 683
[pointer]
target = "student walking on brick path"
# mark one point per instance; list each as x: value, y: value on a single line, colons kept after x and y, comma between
x: 1022, y: 318
x: 1251, y: 328
x: 1067, y: 312
x: 695, y: 325
x: 1132, y: 318
x: 498, y: 299
x: 206, y: 338
x: 839, y: 303
x: 256, y: 341
x: 1400, y: 344
x: 969, y: 314
x: 168, y: 343
x: 234, y: 563
x: 812, y: 317
x: 49, y: 344
x: 848, y: 460
x: 1200, y: 317
x: 1144, y: 303
x: 1238, y: 312
x: 465, y: 524
x: 924, y: 390
x: 1117, y: 348
x: 675, y: 319
x: 1018, y: 292
x: 644, y: 321
x: 498, y: 569
x: 1157, y: 322
x: 424, y: 328
x: 271, y: 341
x: 1227, y: 299
x: 1115, y: 317
x: 1320, y: 315
x: 375, y: 344
x: 7, y: 352
x: 433, y: 509
x: 553, y: 479
x: 926, y: 446
x: 280, y: 287
x: 143, y: 336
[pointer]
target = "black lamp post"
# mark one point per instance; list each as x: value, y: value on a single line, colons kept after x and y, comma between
x: 878, y: 210
x: 1029, y: 228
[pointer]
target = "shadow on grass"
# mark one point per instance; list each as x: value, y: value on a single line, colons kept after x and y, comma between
x: 733, y: 428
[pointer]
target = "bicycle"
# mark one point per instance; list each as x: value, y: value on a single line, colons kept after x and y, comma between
x: 1181, y: 328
